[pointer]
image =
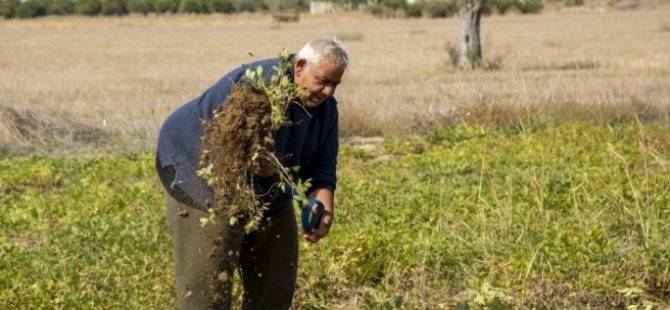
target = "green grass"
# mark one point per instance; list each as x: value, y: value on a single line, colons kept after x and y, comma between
x: 521, y: 216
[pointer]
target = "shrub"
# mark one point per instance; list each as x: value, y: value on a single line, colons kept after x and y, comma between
x: 220, y: 6
x: 248, y: 6
x: 61, y: 7
x: 191, y: 6
x: 113, y: 7
x: 395, y: 4
x: 414, y: 10
x: 138, y: 6
x: 502, y: 6
x: 530, y: 6
x: 574, y: 2
x: 8, y: 8
x: 87, y: 7
x: 300, y: 5
x: 377, y: 10
x: 441, y: 9
x: 32, y: 8
x: 165, y: 6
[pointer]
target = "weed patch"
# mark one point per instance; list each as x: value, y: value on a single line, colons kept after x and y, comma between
x: 531, y: 215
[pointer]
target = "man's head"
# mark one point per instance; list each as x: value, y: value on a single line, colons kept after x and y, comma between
x: 319, y: 67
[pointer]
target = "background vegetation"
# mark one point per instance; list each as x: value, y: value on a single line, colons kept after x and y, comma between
x: 37, y: 8
x: 382, y: 8
x: 532, y: 214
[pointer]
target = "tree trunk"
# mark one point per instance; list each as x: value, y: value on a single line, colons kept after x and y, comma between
x: 471, y: 48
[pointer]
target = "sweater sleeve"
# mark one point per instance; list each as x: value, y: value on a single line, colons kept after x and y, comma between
x: 323, y: 172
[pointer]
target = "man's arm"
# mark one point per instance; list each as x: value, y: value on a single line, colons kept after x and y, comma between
x: 325, y: 195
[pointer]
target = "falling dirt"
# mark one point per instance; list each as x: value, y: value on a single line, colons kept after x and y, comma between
x: 233, y: 136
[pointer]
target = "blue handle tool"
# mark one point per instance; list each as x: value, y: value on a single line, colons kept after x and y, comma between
x: 311, y: 220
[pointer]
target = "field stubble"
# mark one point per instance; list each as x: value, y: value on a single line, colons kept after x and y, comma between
x: 121, y: 77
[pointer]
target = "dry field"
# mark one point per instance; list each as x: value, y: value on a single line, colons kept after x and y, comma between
x: 98, y: 84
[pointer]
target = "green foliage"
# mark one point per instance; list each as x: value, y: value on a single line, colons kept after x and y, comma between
x: 88, y: 7
x: 191, y: 6
x: 32, y: 9
x: 448, y: 8
x: 415, y: 9
x: 564, y: 216
x: 574, y: 2
x: 377, y: 10
x: 113, y: 7
x: 8, y: 8
x: 289, y: 6
x: 220, y: 6
x: 529, y: 6
x: 84, y: 232
x: 61, y: 7
x: 165, y: 6
x: 394, y: 4
x: 502, y: 215
x: 251, y: 6
x: 281, y: 92
x: 138, y: 6
x: 441, y: 8
x: 502, y: 6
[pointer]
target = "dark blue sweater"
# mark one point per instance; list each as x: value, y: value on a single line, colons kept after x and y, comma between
x: 311, y: 141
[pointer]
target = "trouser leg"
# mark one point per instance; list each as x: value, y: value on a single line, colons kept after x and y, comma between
x: 205, y: 257
x: 269, y: 262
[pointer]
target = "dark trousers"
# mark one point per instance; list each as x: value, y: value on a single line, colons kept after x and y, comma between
x: 206, y: 257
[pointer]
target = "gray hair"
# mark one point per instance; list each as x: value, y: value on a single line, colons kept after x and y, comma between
x: 321, y: 49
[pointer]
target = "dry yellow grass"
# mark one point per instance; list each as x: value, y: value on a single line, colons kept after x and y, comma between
x: 125, y: 75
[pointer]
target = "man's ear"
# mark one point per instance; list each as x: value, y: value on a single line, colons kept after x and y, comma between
x: 299, y: 66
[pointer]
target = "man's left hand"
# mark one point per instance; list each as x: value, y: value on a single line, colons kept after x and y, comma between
x: 324, y: 227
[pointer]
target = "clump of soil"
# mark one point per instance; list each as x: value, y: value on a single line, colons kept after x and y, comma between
x: 235, y: 134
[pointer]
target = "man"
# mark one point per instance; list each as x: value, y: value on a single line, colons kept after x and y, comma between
x: 266, y: 258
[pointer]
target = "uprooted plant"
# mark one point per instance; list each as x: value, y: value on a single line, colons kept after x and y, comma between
x: 240, y: 134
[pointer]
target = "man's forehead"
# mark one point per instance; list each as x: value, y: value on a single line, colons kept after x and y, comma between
x: 328, y: 69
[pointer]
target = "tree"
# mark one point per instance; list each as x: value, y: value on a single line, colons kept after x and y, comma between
x: 61, y: 7
x: 113, y: 7
x: 87, y: 7
x: 470, y: 12
x: 164, y: 6
x: 32, y: 8
x: 8, y: 8
x: 138, y: 6
x: 191, y: 6
x: 221, y: 6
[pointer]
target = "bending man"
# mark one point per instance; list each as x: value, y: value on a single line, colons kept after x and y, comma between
x: 267, y: 258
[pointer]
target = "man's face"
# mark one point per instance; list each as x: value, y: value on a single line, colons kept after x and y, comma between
x: 316, y: 82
